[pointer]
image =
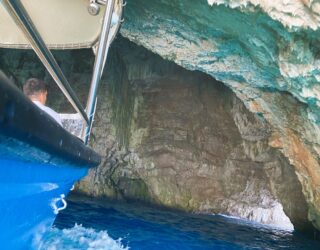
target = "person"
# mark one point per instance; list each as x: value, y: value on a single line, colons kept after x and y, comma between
x: 36, y: 90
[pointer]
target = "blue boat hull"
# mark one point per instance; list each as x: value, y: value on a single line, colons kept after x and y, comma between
x: 28, y: 193
x: 39, y: 163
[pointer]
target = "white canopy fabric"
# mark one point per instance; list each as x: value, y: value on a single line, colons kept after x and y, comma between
x: 63, y: 24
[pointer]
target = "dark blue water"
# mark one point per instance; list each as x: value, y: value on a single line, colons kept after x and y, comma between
x: 143, y: 227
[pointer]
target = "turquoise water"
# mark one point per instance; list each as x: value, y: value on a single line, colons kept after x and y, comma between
x: 93, y: 224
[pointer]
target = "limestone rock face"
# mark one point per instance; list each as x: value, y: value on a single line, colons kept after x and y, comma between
x: 267, y: 52
x: 189, y: 143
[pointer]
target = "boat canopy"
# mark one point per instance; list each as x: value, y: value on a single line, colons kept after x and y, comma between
x: 62, y: 24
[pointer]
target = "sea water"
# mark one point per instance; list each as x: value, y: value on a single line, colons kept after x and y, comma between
x: 94, y: 224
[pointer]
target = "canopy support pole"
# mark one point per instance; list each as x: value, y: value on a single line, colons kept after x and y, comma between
x: 98, y: 69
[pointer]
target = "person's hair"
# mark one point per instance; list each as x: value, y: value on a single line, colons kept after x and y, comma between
x: 34, y: 86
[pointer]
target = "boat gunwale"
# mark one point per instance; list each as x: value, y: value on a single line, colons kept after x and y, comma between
x: 22, y: 120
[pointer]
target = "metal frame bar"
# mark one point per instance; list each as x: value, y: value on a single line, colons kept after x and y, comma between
x: 98, y: 69
x: 22, y: 19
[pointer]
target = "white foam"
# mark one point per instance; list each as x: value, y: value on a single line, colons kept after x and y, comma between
x: 288, y: 228
x: 77, y: 237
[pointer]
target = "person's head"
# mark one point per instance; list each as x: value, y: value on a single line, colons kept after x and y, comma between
x: 36, y: 90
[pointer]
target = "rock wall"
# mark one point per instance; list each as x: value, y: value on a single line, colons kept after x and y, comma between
x: 267, y: 52
x: 176, y: 138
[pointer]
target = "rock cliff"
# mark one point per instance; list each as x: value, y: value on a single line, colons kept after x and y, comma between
x: 267, y: 52
x: 181, y: 139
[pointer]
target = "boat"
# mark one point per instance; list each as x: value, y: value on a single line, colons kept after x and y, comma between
x: 39, y: 163
x: 40, y: 160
